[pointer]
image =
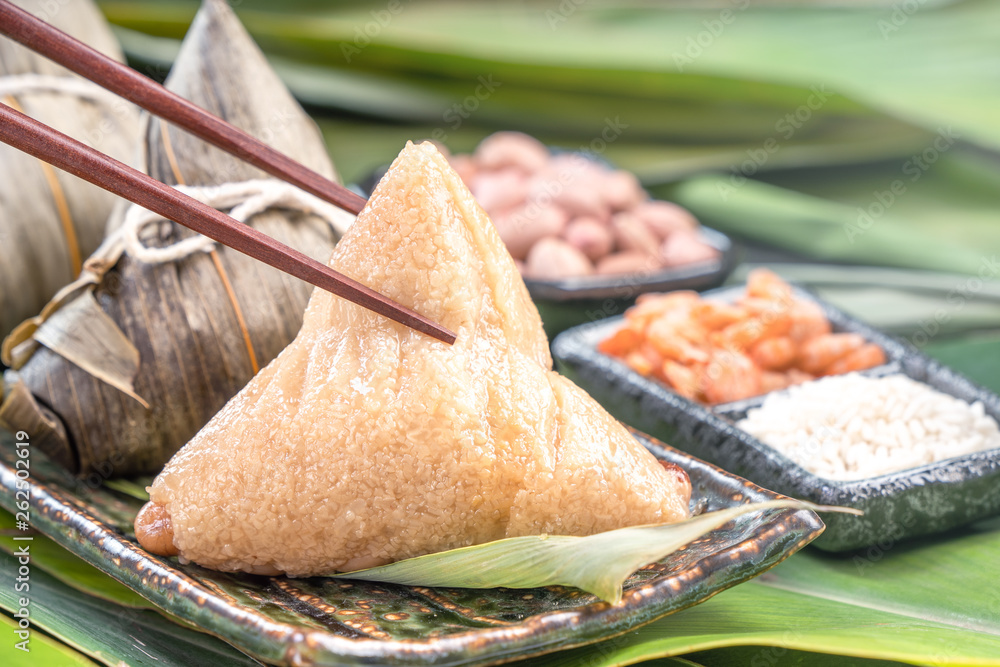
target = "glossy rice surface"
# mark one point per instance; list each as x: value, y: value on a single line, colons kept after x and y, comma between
x: 365, y: 442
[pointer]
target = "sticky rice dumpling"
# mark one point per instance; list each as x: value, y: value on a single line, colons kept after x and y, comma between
x: 365, y: 442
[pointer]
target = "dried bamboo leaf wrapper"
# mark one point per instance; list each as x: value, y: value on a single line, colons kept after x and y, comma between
x: 179, y: 316
x: 50, y: 220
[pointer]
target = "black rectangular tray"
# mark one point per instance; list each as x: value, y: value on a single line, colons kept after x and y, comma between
x: 917, y: 501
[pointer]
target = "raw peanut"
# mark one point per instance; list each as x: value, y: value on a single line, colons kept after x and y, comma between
x: 574, y: 200
x: 552, y: 259
x: 632, y: 234
x: 589, y: 237
x: 573, y: 183
x: 686, y: 248
x: 622, y: 190
x: 522, y: 228
x: 154, y: 530
x: 665, y: 217
x: 465, y: 166
x: 500, y: 190
x: 627, y: 262
x: 511, y: 149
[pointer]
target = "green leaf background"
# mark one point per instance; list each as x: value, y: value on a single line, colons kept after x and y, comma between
x: 922, y: 269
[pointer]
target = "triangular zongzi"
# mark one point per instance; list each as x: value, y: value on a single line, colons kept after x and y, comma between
x: 365, y: 442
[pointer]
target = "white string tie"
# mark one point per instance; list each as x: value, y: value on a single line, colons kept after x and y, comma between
x: 19, y: 84
x: 244, y: 199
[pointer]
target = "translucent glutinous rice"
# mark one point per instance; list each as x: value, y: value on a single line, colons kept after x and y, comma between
x: 851, y: 426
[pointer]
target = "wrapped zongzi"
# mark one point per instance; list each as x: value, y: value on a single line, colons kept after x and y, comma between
x: 51, y: 221
x: 164, y: 327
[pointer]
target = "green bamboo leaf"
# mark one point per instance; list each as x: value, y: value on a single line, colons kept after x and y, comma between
x: 598, y: 564
x: 778, y: 656
x: 44, y: 651
x: 931, y: 67
x: 70, y: 569
x: 978, y: 357
x: 892, y: 213
x: 818, y: 227
x: 932, y: 601
x: 136, y: 488
x: 358, y: 146
x: 111, y: 634
x: 948, y: 198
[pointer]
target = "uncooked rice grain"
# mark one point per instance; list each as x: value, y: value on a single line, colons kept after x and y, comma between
x: 851, y: 427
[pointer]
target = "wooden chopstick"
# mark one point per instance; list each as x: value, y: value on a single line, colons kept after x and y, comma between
x: 120, y: 79
x: 61, y: 151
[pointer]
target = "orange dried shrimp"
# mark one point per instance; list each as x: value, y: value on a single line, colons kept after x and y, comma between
x: 714, y: 352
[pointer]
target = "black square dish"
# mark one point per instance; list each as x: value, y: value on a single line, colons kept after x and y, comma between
x: 918, y: 501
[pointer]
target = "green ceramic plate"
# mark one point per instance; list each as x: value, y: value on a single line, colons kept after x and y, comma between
x: 325, y: 621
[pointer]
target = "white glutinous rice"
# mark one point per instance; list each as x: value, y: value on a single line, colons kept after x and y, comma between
x: 850, y: 426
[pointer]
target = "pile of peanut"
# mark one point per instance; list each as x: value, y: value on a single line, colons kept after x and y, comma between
x: 565, y: 215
